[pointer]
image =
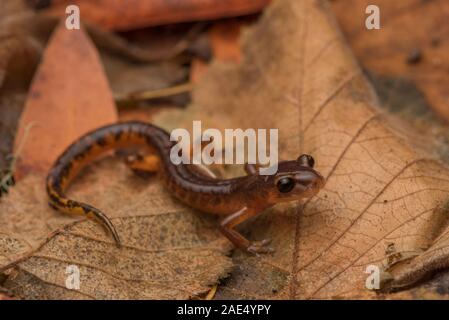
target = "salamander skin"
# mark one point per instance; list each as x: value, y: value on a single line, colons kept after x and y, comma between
x: 238, y: 198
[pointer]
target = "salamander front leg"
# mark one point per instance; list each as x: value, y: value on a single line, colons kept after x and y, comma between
x: 227, y: 228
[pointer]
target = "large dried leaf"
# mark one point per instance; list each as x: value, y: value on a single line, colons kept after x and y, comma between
x: 385, y: 200
x: 170, y: 252
x: 68, y: 97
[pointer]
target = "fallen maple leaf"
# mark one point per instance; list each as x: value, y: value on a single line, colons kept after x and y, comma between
x: 385, y: 201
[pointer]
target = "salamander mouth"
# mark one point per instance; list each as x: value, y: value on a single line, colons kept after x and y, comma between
x: 314, y: 188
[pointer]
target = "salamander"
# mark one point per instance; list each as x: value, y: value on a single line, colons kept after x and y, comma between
x: 237, y: 199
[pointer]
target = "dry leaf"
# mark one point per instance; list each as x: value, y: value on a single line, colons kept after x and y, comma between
x: 224, y: 38
x: 68, y: 97
x: 119, y: 15
x: 298, y: 75
x: 149, y: 45
x: 170, y: 251
x: 128, y: 78
x: 400, y: 48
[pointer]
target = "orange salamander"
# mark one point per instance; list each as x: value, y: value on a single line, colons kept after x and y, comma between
x: 237, y: 199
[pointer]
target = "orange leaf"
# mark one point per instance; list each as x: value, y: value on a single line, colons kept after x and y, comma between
x: 69, y: 96
x: 122, y: 15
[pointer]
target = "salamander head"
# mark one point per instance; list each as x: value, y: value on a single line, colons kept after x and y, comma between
x: 294, y: 180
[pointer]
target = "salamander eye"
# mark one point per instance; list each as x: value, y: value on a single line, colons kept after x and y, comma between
x: 285, y: 185
x: 306, y: 160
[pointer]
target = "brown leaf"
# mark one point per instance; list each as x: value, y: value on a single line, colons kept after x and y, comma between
x: 400, y: 48
x: 119, y: 15
x: 170, y: 251
x: 68, y: 97
x: 150, y: 45
x: 128, y: 78
x: 224, y: 38
x: 382, y: 192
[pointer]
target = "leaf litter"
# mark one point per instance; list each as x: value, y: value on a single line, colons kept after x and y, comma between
x: 170, y: 251
x: 298, y: 75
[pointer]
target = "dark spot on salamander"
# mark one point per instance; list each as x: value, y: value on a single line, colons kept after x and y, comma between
x: 54, y: 182
x: 86, y: 210
x: 66, y: 170
x: 87, y: 148
x: 79, y: 156
x: 52, y: 205
x: 118, y: 135
x: 71, y: 204
x: 101, y: 141
x: 149, y: 140
x: 141, y: 133
x: 56, y: 200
